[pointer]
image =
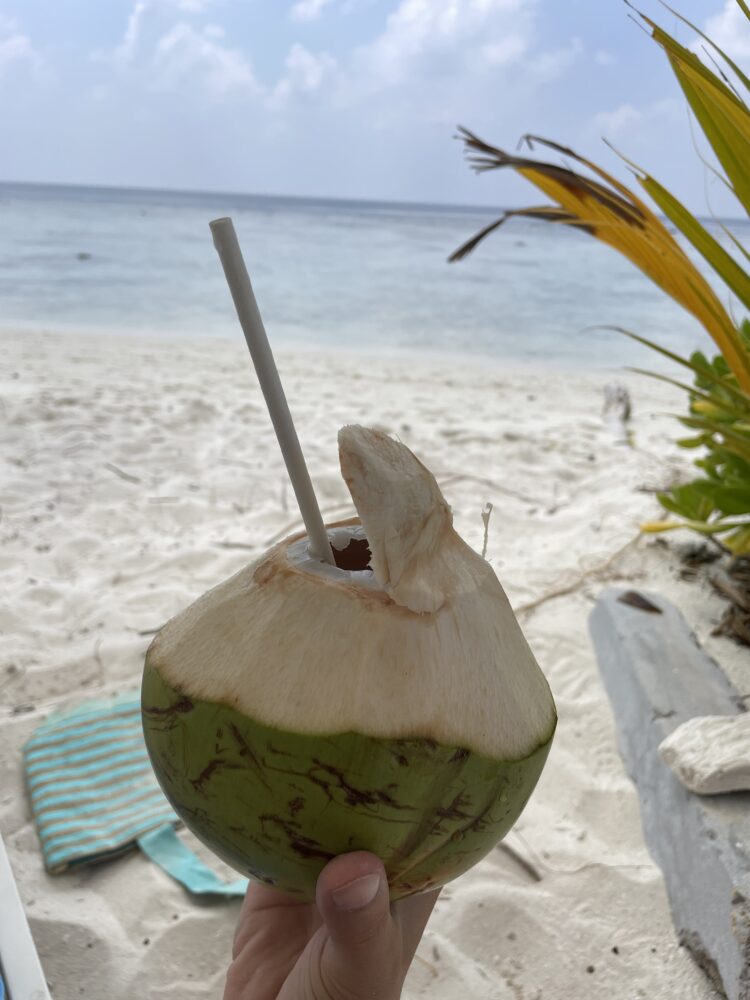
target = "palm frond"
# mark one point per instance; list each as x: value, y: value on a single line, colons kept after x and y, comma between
x: 694, y: 27
x: 723, y: 116
x: 547, y: 213
x: 607, y: 209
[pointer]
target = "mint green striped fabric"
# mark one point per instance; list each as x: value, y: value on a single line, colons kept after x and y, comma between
x: 92, y: 789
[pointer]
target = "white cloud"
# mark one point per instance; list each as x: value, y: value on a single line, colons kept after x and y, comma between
x: 191, y: 57
x: 442, y: 58
x: 614, y: 123
x: 730, y: 30
x: 13, y: 48
x: 188, y: 55
x: 551, y: 65
x: 604, y: 58
x: 305, y: 73
x: 308, y: 10
x: 419, y: 29
x: 311, y: 10
x: 306, y: 69
x: 190, y: 6
x: 16, y: 48
x: 623, y: 119
x: 126, y: 49
x: 184, y: 6
x: 351, y: 6
x: 505, y: 51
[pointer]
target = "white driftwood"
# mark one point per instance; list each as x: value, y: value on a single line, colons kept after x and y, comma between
x: 710, y: 754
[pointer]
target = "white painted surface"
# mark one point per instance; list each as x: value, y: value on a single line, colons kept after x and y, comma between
x: 22, y: 971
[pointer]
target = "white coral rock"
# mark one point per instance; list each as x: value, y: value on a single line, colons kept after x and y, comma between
x: 710, y: 754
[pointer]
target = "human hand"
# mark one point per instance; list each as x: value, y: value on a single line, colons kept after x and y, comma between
x: 350, y: 944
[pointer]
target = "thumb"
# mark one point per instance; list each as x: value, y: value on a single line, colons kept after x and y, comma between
x: 362, y: 955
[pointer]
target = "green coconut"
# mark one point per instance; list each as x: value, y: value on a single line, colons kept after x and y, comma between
x: 389, y: 703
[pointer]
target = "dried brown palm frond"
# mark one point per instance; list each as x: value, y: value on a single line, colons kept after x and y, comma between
x: 607, y: 209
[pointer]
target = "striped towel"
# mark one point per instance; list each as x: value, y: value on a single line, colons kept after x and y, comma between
x: 92, y: 789
x: 94, y: 796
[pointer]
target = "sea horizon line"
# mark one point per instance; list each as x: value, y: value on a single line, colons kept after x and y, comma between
x: 259, y: 195
x: 372, y: 203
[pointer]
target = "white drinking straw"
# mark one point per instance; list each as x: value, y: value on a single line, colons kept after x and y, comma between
x: 228, y: 248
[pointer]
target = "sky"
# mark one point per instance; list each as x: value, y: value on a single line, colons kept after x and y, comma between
x: 343, y: 98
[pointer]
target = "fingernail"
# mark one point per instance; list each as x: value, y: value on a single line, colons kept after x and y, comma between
x: 358, y: 893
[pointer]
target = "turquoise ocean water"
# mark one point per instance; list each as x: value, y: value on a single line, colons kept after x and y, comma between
x: 360, y: 275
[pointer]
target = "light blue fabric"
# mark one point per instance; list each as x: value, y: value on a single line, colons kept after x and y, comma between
x: 165, y: 848
x: 94, y: 795
x: 93, y: 791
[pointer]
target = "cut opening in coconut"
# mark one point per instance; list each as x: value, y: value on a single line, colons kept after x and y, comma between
x: 356, y: 555
x: 351, y: 553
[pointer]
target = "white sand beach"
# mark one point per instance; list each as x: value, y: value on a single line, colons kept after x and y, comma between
x: 135, y: 475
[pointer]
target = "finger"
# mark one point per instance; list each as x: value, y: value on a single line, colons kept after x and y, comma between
x: 362, y: 957
x: 260, y: 897
x: 411, y: 915
x: 267, y: 912
x: 273, y: 931
x: 268, y: 907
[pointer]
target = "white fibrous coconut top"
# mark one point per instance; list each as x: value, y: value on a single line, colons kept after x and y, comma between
x: 420, y: 643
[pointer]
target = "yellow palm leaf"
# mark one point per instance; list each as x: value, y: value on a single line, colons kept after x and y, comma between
x: 608, y: 210
x: 722, y: 115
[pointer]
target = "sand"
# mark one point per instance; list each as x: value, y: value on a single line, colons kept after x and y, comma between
x: 135, y: 475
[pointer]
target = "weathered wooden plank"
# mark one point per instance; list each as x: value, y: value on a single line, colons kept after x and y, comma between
x: 657, y: 677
